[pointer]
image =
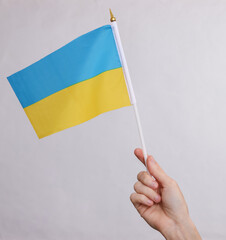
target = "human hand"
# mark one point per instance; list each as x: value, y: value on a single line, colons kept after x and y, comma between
x: 161, y: 203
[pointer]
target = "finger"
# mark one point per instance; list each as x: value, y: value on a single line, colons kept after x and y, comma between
x: 138, y: 199
x: 157, y: 172
x: 139, y: 154
x: 147, y: 180
x: 148, y: 192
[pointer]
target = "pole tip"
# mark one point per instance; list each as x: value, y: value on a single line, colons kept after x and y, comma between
x: 112, y: 19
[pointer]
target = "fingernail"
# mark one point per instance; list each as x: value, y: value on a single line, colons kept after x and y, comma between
x: 149, y: 202
x: 157, y: 198
x: 154, y: 184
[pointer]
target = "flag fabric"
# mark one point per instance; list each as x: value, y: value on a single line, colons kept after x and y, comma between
x: 73, y: 84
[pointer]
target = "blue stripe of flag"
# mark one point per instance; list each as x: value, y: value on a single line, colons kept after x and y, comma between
x: 83, y: 58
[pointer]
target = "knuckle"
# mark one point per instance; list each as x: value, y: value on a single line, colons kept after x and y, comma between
x: 140, y: 175
x: 145, y: 177
x: 136, y: 186
x: 132, y: 197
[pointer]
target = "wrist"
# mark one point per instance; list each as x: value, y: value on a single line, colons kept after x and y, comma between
x: 184, y: 230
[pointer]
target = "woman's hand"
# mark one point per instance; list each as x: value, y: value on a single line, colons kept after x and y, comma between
x: 161, y: 203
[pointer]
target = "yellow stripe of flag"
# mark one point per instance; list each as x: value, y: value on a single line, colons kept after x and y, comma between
x: 79, y: 103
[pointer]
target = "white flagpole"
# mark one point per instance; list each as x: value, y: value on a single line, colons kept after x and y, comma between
x: 128, y: 81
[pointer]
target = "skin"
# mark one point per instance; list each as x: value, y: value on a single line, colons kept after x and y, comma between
x: 160, y: 202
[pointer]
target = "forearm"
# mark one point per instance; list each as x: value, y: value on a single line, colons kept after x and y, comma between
x: 185, y: 230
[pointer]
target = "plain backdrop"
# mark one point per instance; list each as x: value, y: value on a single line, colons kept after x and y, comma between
x: 76, y: 184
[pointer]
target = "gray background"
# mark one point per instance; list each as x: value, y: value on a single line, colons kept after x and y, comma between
x: 76, y: 184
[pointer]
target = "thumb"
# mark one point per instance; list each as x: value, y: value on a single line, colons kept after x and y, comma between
x: 157, y: 172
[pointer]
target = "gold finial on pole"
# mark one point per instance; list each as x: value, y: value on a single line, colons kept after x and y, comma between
x: 113, y: 19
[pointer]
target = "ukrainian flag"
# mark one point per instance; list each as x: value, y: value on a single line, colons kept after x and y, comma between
x: 73, y: 84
